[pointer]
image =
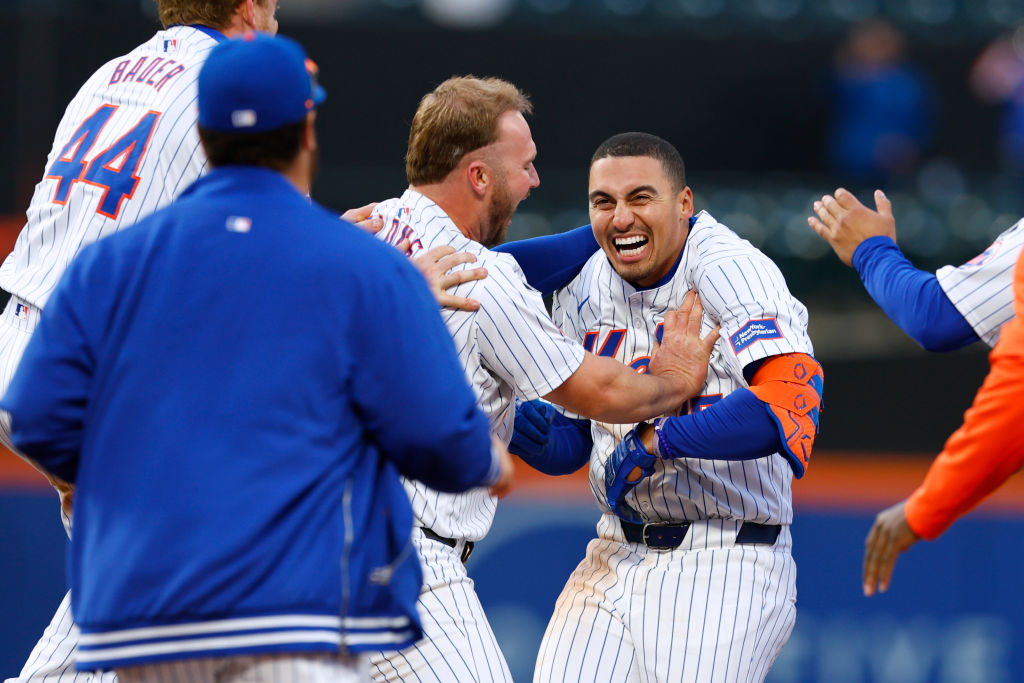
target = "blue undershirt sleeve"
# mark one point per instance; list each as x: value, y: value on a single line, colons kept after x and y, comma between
x: 735, y: 428
x: 552, y: 261
x: 568, y: 449
x: 912, y: 298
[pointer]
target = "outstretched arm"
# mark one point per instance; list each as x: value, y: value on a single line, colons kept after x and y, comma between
x: 552, y: 261
x: 982, y: 454
x: 912, y: 298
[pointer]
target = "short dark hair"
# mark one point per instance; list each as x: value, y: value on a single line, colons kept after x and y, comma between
x: 645, y: 145
x: 274, y: 149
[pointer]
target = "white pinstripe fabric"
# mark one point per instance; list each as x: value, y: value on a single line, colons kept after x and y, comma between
x: 52, y: 659
x: 709, y: 610
x: 737, y: 284
x: 174, y: 158
x: 982, y: 288
x: 55, y: 233
x: 508, y: 348
x: 458, y: 643
x: 270, y: 668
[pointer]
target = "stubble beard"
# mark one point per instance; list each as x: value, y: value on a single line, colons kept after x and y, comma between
x: 499, y: 214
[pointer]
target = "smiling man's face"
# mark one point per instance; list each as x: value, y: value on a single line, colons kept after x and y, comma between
x: 638, y: 218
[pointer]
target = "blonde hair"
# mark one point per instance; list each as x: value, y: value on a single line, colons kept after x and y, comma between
x: 213, y: 13
x: 459, y: 116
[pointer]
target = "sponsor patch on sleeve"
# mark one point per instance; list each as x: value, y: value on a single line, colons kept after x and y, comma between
x: 754, y: 331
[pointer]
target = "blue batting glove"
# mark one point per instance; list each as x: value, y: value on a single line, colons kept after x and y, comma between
x: 628, y: 455
x: 532, y: 431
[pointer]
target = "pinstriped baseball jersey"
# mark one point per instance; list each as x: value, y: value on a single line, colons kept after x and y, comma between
x: 508, y: 348
x: 126, y: 146
x: 982, y: 288
x: 743, y: 291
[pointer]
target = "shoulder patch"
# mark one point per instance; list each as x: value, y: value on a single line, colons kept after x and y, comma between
x: 987, y: 255
x: 754, y: 331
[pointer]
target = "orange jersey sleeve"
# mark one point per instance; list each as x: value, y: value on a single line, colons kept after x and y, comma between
x: 989, y: 447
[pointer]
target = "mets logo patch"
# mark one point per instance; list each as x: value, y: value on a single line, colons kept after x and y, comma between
x: 754, y: 331
x: 986, y: 256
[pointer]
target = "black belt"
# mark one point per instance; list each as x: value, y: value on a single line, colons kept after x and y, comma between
x: 5, y: 296
x: 668, y: 536
x: 467, y: 549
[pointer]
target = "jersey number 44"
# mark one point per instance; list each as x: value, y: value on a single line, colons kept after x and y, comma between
x: 115, y: 169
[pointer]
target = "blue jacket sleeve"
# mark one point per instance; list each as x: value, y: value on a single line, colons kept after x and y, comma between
x: 552, y: 261
x: 568, y: 448
x: 912, y: 298
x: 410, y: 387
x: 735, y: 428
x: 48, y: 396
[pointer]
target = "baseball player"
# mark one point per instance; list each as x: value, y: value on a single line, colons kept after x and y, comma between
x: 469, y: 164
x: 238, y: 514
x: 954, y: 307
x: 691, y: 576
x: 126, y: 146
x: 983, y: 453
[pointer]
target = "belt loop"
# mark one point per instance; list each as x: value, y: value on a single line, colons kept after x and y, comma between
x: 452, y: 543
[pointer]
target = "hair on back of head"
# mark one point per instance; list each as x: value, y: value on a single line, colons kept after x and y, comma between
x: 275, y: 149
x: 213, y: 13
x: 457, y: 117
x: 645, y: 145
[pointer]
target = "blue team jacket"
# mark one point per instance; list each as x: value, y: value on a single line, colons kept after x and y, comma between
x: 234, y: 385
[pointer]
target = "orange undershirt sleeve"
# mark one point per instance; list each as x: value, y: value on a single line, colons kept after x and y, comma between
x: 989, y: 447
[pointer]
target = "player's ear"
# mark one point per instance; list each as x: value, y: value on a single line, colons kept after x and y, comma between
x: 479, y: 176
x: 309, y: 132
x: 685, y: 200
x: 247, y: 11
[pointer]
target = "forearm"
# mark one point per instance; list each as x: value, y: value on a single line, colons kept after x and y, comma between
x: 912, y: 298
x: 604, y: 389
x: 985, y: 451
x: 568, y: 447
x: 736, y: 428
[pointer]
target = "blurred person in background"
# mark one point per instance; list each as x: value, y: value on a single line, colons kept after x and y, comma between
x: 882, y: 107
x: 997, y: 77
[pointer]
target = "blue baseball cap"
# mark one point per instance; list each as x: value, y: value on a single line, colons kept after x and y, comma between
x: 256, y: 83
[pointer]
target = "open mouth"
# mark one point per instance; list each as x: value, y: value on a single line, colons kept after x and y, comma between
x: 630, y: 246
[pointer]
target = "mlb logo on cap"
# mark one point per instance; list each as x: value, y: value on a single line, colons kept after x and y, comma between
x: 257, y: 83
